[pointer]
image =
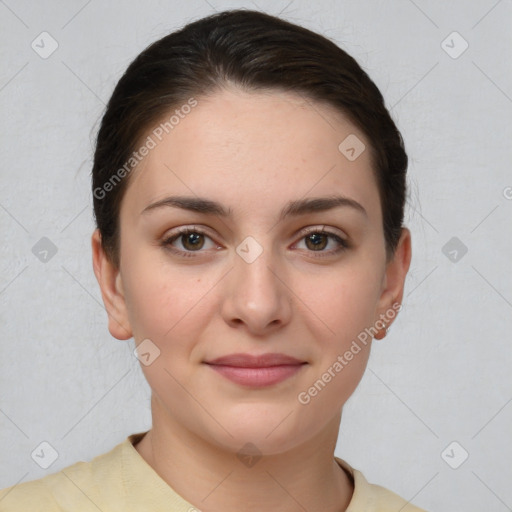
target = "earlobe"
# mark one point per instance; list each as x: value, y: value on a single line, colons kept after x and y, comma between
x: 110, y: 282
x: 394, y: 281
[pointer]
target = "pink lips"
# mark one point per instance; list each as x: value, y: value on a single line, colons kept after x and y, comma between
x: 256, y: 371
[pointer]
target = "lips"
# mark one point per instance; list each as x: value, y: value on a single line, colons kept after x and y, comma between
x: 256, y: 371
x: 250, y: 361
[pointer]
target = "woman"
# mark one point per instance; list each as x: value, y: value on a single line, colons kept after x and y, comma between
x: 249, y: 188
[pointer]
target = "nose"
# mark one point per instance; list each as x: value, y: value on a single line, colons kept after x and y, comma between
x: 256, y: 295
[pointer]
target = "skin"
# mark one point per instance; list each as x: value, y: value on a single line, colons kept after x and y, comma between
x: 253, y: 152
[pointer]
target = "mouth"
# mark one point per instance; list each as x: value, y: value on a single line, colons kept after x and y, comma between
x: 256, y: 371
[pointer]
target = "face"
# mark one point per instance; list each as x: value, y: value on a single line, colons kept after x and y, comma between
x: 262, y: 270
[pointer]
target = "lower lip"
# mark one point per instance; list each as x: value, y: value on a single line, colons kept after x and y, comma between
x: 257, y: 377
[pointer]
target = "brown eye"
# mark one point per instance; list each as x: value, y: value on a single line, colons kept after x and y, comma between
x: 187, y: 242
x: 192, y: 241
x: 316, y: 241
x: 324, y: 242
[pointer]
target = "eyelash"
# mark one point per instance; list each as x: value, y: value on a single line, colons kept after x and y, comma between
x: 167, y: 242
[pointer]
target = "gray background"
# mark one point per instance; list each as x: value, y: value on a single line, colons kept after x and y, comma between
x: 443, y: 373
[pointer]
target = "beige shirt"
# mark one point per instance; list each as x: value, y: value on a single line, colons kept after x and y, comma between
x: 122, y: 481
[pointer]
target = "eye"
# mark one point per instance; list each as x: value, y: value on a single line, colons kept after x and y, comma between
x: 316, y: 240
x: 191, y: 240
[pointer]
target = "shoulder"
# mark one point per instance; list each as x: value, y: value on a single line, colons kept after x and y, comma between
x: 28, y: 496
x: 76, y: 487
x: 374, y: 498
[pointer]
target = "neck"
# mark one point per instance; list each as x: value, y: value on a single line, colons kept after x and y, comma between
x: 213, y: 478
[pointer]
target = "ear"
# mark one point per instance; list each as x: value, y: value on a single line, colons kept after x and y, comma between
x: 109, y: 279
x: 394, y: 279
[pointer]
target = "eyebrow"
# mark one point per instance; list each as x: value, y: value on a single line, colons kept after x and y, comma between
x: 292, y: 209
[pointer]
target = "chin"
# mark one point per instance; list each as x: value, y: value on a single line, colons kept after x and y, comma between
x: 269, y: 431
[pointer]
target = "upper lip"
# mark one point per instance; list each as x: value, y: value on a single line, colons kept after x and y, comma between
x: 250, y: 361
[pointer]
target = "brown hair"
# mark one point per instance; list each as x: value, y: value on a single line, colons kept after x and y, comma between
x: 252, y: 50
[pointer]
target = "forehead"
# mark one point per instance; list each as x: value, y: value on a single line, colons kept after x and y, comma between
x: 254, y: 150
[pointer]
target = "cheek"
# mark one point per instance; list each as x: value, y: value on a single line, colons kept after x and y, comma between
x: 342, y: 302
x: 341, y: 306
x: 167, y: 306
x: 163, y: 304
x: 157, y: 295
